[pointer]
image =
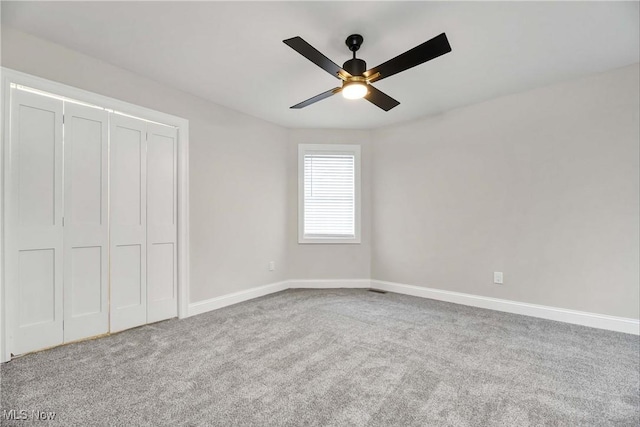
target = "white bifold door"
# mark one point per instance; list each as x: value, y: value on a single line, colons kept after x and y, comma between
x: 35, y: 251
x: 128, y: 223
x: 91, y: 222
x: 86, y: 232
x: 143, y: 222
x: 162, y: 213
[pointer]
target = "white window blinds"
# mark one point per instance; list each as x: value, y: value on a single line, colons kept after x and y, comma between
x: 329, y: 195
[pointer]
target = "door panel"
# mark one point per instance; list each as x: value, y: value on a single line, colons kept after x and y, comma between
x: 160, y: 280
x: 128, y: 290
x: 37, y: 166
x: 161, y: 177
x: 34, y: 215
x: 128, y: 241
x: 86, y: 284
x: 86, y: 222
x: 127, y: 177
x: 86, y: 144
x: 36, y: 273
x: 161, y: 222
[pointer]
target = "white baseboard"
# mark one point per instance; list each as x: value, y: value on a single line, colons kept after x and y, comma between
x: 594, y: 320
x: 329, y: 284
x: 234, y: 298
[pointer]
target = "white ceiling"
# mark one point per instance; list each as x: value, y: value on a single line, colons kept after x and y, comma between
x: 232, y: 52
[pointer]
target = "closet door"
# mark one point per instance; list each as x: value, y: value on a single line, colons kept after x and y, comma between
x: 162, y: 301
x: 86, y: 262
x: 128, y: 239
x: 34, y: 236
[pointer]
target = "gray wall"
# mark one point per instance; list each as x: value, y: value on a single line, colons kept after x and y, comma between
x: 319, y: 261
x: 541, y: 185
x: 237, y: 166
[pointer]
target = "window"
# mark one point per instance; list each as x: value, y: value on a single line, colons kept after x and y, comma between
x: 328, y: 193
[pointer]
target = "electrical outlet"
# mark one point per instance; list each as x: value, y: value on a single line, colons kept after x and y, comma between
x: 272, y: 265
x: 497, y: 277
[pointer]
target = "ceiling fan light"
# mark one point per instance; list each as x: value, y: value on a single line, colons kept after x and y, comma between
x: 354, y: 90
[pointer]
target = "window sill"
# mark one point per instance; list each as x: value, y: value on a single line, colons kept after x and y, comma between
x: 329, y: 241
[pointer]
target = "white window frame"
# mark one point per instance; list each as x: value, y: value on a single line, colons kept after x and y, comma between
x: 304, y: 149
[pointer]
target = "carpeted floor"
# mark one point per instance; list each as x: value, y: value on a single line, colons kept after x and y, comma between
x: 339, y: 358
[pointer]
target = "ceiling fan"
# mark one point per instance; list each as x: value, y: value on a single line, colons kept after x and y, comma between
x: 356, y: 79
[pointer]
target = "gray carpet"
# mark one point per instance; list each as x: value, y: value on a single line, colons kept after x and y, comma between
x: 339, y: 358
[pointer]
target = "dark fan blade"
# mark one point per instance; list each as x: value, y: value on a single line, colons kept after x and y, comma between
x: 313, y: 55
x: 317, y: 98
x: 427, y: 51
x: 381, y: 99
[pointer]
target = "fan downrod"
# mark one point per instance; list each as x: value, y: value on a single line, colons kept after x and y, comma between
x: 354, y: 66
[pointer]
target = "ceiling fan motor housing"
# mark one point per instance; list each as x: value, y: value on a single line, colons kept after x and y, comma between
x: 355, y: 66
